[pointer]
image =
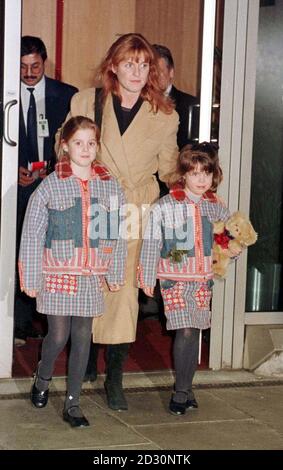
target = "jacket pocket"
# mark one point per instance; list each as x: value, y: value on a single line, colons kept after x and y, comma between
x: 63, y: 215
x: 202, y: 297
x: 105, y: 251
x: 173, y: 295
x: 62, y: 205
x: 178, y: 238
x: 62, y: 250
x: 64, y: 225
x: 61, y: 284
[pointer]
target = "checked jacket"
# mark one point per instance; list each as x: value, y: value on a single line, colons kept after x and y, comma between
x: 177, y: 223
x: 73, y: 227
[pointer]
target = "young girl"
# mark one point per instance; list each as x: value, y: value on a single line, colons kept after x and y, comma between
x: 68, y: 248
x: 177, y: 249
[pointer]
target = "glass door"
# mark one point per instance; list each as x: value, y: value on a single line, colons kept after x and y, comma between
x: 265, y: 260
x: 238, y: 66
x: 251, y: 154
x: 10, y: 27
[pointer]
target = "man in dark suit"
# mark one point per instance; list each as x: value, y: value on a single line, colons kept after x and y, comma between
x: 44, y: 105
x: 185, y: 103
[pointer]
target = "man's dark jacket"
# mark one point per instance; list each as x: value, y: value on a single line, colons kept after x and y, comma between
x: 57, y: 104
x: 184, y: 102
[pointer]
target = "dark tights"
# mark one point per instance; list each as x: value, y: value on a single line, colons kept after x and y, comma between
x: 185, y: 352
x: 59, y: 330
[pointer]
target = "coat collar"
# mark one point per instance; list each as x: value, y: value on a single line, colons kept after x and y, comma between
x: 63, y: 170
x: 178, y: 193
x: 121, y: 149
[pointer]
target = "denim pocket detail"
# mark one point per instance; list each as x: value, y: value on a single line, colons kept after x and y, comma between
x: 207, y: 236
x: 64, y: 222
x: 62, y: 205
x: 178, y: 237
x: 62, y: 249
x: 167, y: 284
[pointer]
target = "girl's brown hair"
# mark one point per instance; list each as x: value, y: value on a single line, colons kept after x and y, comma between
x: 132, y: 46
x: 206, y: 155
x: 73, y: 125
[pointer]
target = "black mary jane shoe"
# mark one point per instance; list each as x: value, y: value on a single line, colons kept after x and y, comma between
x: 191, y: 404
x: 74, y: 421
x: 177, y: 409
x: 39, y: 399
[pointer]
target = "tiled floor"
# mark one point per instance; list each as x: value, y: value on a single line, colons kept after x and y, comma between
x: 236, y: 411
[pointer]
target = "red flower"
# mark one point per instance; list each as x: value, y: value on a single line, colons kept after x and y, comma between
x: 223, y: 239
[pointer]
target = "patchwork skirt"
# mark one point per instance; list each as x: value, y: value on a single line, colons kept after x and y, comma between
x: 70, y: 295
x: 186, y: 304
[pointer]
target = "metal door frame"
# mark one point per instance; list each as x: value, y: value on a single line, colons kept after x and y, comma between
x: 236, y: 143
x: 9, y: 177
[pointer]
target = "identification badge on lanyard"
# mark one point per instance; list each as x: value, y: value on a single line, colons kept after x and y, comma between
x: 42, y: 127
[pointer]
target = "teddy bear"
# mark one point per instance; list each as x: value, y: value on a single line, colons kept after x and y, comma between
x: 230, y: 238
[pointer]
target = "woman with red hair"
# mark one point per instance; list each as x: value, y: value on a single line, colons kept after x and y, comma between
x: 138, y: 139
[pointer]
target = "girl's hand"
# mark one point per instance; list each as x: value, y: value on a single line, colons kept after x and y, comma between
x: 43, y: 173
x: 149, y: 291
x: 114, y: 287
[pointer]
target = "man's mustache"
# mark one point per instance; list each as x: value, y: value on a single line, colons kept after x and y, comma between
x: 30, y: 77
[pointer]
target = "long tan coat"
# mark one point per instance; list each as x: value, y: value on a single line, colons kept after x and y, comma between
x: 147, y: 146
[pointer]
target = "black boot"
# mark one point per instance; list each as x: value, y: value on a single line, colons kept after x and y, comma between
x: 116, y: 355
x: 91, y: 369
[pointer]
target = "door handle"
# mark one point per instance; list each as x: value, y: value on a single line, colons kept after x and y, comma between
x: 7, y: 109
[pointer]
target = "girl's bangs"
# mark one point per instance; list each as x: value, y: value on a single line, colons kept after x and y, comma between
x: 203, y: 162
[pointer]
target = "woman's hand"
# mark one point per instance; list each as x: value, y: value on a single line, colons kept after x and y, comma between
x: 149, y: 291
x: 114, y: 287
